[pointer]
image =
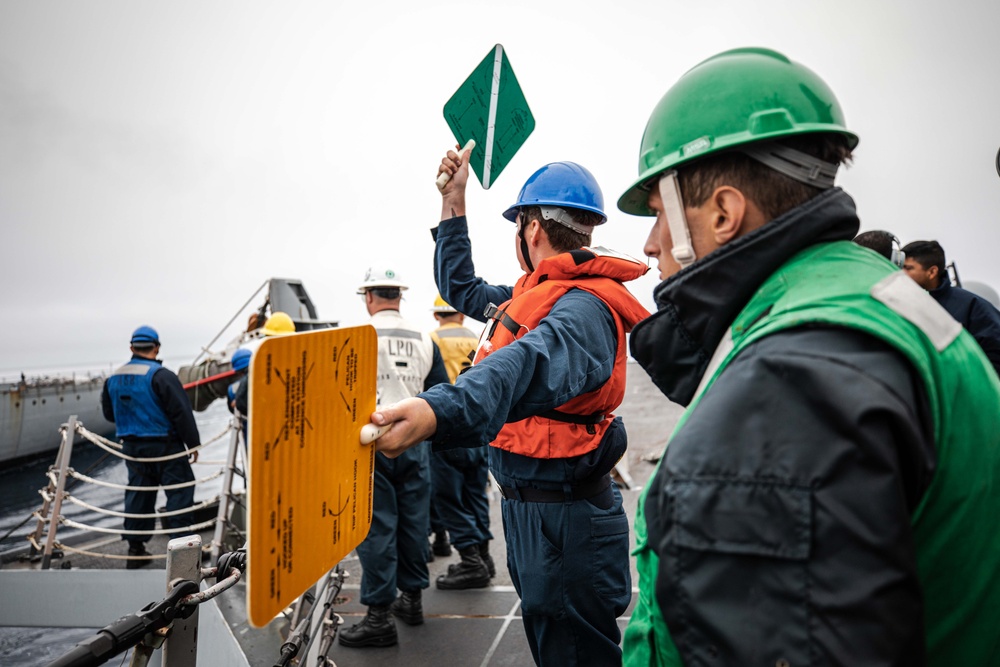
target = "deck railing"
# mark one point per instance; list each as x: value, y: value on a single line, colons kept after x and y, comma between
x: 49, y: 517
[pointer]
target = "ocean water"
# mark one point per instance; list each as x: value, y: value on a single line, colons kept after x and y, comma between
x: 31, y: 646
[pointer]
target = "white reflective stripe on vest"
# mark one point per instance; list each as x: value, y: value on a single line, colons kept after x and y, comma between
x: 405, y: 355
x: 913, y: 302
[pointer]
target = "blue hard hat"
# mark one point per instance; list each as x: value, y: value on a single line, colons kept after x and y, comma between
x: 564, y: 184
x: 241, y: 359
x: 145, y: 336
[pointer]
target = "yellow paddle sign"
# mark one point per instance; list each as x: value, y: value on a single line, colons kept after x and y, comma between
x: 310, y: 478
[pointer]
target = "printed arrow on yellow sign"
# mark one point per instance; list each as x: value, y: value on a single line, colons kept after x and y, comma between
x: 310, y: 478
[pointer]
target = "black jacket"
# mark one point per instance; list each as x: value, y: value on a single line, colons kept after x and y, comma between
x: 752, y: 572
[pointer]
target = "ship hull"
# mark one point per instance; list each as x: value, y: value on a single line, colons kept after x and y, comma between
x: 31, y: 414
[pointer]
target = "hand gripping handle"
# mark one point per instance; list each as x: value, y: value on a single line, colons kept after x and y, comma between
x: 443, y: 179
x: 370, y: 433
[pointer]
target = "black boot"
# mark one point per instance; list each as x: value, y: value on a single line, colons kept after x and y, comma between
x: 441, y: 546
x: 375, y: 629
x: 408, y: 608
x: 484, y: 553
x: 138, y: 552
x: 471, y: 572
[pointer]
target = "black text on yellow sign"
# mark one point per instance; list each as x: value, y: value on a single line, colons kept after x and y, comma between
x: 310, y: 481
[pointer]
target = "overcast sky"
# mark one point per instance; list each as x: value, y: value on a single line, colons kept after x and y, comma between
x: 159, y: 161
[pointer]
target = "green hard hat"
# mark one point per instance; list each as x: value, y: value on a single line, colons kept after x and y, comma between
x: 733, y: 98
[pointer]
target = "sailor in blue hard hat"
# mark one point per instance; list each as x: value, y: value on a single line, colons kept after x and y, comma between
x: 547, y: 376
x: 564, y: 192
x: 153, y: 419
x: 237, y: 396
x: 145, y: 336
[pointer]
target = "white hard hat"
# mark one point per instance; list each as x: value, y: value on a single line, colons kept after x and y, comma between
x: 381, y: 277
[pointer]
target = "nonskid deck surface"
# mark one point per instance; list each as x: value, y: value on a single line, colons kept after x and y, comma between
x: 474, y: 628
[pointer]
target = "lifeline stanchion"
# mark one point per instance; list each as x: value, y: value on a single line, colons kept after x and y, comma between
x: 225, y: 496
x: 66, y: 451
x: 42, y: 515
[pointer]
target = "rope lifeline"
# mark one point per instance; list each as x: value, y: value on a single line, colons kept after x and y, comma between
x: 154, y: 515
x: 193, y: 528
x: 125, y: 487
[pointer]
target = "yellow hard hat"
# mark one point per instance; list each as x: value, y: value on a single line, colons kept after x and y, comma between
x: 441, y: 306
x: 279, y: 324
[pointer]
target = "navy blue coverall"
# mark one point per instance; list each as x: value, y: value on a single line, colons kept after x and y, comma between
x: 394, y: 553
x: 569, y: 561
x: 976, y: 314
x: 460, y: 478
x: 136, y: 413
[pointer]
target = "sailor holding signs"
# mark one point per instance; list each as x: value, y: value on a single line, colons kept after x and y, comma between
x: 546, y: 377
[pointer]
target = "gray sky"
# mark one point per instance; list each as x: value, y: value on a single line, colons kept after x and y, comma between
x: 159, y: 161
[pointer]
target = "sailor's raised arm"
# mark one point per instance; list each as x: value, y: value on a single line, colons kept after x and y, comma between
x: 454, y: 165
x: 454, y: 271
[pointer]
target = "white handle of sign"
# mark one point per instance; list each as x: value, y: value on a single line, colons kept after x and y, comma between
x: 370, y: 433
x: 443, y: 179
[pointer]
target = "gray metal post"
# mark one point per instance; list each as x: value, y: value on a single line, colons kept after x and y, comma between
x: 46, y: 500
x: 67, y: 452
x: 225, y: 498
x: 183, y: 562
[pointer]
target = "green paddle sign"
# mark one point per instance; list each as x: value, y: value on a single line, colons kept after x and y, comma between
x: 490, y: 108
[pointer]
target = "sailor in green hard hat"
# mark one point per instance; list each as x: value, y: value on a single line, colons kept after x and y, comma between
x: 829, y: 495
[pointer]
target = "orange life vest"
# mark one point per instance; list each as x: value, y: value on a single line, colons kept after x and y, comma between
x: 577, y: 426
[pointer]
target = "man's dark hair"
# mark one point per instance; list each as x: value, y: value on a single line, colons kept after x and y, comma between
x: 927, y: 254
x: 388, y: 293
x: 562, y: 238
x: 772, y: 192
x: 878, y: 240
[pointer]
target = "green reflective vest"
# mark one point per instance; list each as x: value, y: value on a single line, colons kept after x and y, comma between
x: 958, y: 554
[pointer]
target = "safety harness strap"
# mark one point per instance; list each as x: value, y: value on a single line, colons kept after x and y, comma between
x: 492, y: 312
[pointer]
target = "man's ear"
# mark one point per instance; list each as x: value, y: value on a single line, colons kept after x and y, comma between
x: 729, y: 210
x: 535, y: 232
x: 933, y: 272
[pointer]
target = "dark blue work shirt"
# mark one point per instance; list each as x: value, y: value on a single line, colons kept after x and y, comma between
x: 976, y: 314
x: 570, y: 352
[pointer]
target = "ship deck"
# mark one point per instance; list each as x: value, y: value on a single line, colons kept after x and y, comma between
x: 478, y: 628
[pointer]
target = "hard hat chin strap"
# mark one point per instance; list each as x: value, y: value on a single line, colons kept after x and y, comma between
x: 673, y: 209
x: 795, y: 164
x: 524, y: 247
